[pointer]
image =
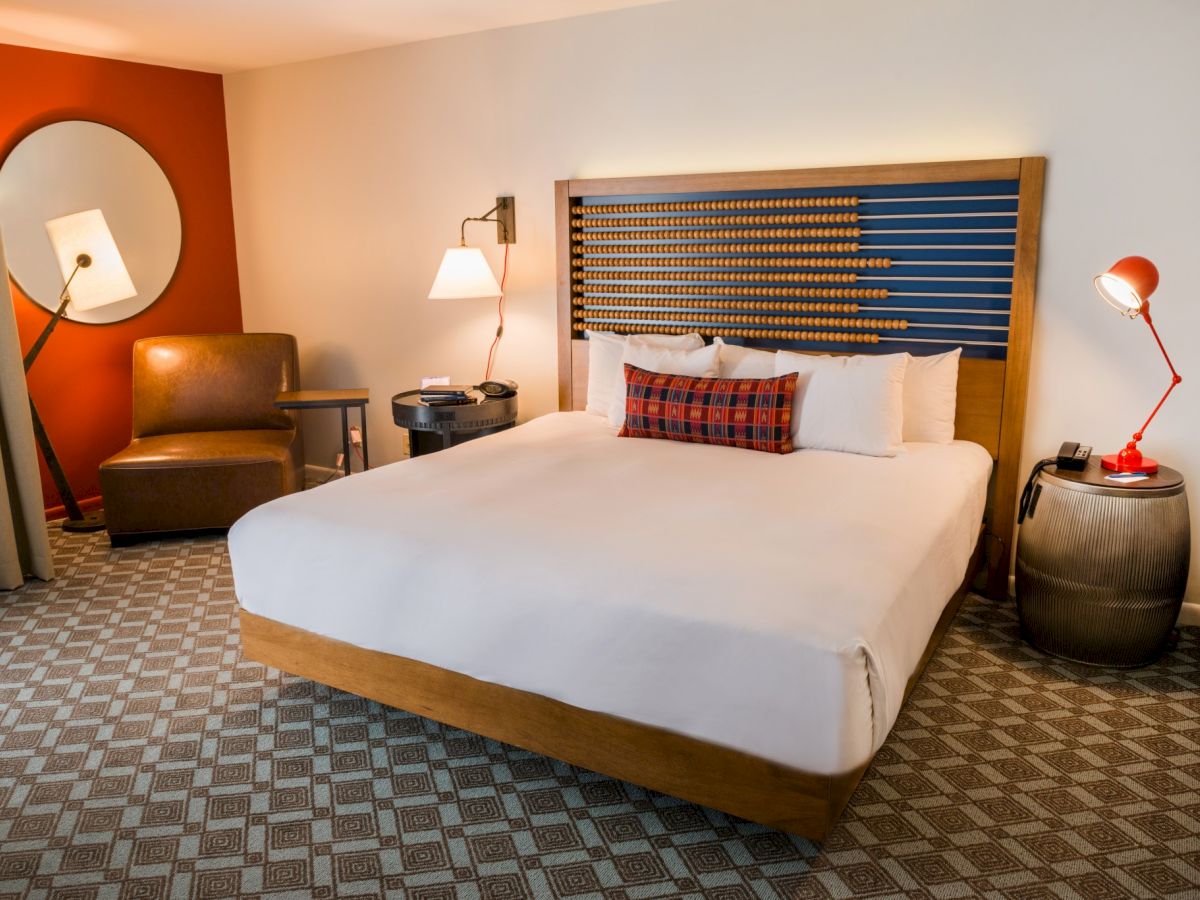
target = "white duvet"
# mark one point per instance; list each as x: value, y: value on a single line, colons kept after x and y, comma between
x: 774, y: 604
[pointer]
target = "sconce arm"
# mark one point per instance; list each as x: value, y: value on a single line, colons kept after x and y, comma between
x: 505, y: 219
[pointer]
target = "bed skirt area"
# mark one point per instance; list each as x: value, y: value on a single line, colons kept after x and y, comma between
x: 730, y: 780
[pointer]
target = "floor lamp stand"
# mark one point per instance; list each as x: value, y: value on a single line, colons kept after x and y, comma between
x: 77, y: 519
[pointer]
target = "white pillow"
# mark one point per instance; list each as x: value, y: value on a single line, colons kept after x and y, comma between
x: 853, y: 404
x: 745, y: 362
x: 701, y: 363
x: 930, y: 397
x: 605, y: 372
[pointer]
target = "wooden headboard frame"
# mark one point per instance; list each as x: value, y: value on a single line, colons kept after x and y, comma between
x: 991, y: 391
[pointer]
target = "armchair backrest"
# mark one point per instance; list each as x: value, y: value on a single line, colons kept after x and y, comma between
x: 211, y: 382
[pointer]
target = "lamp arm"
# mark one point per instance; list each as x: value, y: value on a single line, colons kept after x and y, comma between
x: 64, y: 300
x: 462, y: 229
x: 1176, y: 378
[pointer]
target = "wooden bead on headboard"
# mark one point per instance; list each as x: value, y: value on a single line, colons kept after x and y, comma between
x: 779, y: 219
x: 667, y: 234
x: 630, y: 249
x: 592, y: 286
x: 803, y: 277
x: 768, y: 334
x: 742, y: 262
x: 698, y: 205
x: 621, y: 317
x: 701, y: 303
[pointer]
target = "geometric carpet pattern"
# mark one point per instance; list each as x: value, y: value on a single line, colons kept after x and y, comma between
x: 140, y: 757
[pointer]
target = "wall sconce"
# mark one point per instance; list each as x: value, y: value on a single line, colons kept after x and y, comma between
x: 1127, y: 287
x: 465, y: 274
x: 94, y: 275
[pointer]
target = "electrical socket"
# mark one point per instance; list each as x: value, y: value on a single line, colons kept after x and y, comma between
x: 355, y: 436
x: 341, y: 458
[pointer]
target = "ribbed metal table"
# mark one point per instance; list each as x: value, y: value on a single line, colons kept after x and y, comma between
x: 1101, y: 566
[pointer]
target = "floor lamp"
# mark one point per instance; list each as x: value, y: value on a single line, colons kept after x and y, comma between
x: 95, y: 275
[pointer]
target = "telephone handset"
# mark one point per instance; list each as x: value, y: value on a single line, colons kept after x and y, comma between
x: 1072, y: 457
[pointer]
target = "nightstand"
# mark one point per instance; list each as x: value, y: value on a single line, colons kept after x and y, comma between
x: 433, y: 428
x: 342, y: 400
x: 1102, y: 566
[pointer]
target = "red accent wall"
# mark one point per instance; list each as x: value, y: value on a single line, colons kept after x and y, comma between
x: 81, y: 380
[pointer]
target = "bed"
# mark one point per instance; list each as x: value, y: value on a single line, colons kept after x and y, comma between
x: 529, y: 586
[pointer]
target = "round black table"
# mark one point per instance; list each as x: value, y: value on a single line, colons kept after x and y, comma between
x: 433, y: 428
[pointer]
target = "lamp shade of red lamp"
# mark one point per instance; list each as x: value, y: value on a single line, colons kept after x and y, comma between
x: 1127, y: 287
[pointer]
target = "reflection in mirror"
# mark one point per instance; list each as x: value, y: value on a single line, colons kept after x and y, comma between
x: 74, y: 167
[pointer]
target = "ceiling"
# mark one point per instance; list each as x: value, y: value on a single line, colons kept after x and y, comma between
x: 231, y: 35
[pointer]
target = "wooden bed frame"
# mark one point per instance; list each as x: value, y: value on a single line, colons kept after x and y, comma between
x: 991, y: 412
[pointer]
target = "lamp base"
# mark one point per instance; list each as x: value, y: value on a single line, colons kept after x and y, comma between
x: 92, y: 521
x: 1115, y: 463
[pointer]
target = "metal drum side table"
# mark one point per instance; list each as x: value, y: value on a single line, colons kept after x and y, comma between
x: 1101, y: 566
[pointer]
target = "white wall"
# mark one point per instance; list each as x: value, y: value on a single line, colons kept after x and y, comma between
x: 350, y: 174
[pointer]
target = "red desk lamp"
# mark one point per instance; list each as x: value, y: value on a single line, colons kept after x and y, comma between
x: 1127, y: 287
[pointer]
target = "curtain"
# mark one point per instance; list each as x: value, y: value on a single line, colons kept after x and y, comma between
x: 24, y: 544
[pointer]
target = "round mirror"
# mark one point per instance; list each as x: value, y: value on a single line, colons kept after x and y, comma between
x: 76, y: 167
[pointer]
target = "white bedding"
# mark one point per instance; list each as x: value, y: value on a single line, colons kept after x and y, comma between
x: 774, y: 604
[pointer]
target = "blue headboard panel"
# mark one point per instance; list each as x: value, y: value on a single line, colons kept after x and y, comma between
x: 917, y: 267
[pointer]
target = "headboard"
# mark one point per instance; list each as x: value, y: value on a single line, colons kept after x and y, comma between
x: 870, y: 259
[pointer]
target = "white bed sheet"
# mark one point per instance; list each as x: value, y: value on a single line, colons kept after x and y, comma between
x: 774, y: 604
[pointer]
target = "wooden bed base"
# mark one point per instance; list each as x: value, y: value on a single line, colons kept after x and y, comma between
x: 729, y: 780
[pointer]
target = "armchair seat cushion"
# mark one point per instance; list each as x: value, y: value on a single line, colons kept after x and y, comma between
x: 197, y: 480
x: 199, y: 449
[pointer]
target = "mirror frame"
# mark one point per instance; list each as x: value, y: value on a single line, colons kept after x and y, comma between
x: 101, y: 315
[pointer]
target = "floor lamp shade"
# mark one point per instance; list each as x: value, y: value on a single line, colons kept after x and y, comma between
x: 464, y: 275
x: 104, y: 279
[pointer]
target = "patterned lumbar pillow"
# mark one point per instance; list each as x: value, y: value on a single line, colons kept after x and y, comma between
x: 754, y: 413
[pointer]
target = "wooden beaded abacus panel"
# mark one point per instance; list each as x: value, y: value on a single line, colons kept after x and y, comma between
x: 921, y: 264
x: 873, y: 259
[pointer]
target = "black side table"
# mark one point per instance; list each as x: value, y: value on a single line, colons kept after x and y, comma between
x: 342, y: 400
x: 433, y: 428
x: 1102, y: 566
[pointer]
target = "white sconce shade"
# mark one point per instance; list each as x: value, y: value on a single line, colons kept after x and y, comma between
x: 464, y: 275
x: 105, y: 280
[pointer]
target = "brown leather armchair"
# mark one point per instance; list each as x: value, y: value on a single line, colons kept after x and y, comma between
x: 208, y: 443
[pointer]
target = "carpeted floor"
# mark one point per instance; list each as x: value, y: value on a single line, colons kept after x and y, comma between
x: 140, y: 757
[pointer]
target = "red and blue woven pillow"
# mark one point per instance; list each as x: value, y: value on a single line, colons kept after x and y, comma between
x: 753, y: 413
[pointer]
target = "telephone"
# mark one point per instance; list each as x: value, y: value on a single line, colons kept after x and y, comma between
x: 498, y: 388
x: 1072, y: 457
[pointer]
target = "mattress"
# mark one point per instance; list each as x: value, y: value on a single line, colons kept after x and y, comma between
x: 772, y: 604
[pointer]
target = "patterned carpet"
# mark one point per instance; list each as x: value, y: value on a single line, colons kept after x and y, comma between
x: 140, y: 758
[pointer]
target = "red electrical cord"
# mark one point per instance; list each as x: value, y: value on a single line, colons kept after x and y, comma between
x: 491, y: 358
